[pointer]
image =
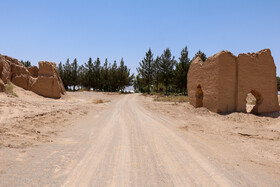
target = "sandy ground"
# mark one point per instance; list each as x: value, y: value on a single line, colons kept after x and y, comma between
x: 133, y: 141
x: 30, y: 119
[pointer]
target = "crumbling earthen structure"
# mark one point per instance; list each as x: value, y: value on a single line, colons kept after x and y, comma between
x: 223, y: 82
x: 44, y: 81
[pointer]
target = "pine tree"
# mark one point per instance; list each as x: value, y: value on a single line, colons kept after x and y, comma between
x: 89, y: 74
x: 60, y: 70
x: 82, y: 76
x: 74, y: 74
x: 96, y: 72
x: 181, y: 71
x: 124, y: 76
x: 26, y: 63
x: 114, y: 77
x: 202, y: 55
x: 139, y: 84
x: 156, y: 73
x: 105, y: 76
x: 67, y: 74
x: 146, y: 69
x: 166, y: 67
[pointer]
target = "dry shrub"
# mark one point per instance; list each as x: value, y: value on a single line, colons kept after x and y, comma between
x: 172, y: 98
x: 10, y: 89
x: 98, y: 101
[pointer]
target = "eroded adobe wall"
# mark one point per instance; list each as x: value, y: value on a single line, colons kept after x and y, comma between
x: 48, y: 83
x: 205, y: 75
x: 257, y: 73
x: 217, y: 79
x: 44, y: 81
x: 227, y: 81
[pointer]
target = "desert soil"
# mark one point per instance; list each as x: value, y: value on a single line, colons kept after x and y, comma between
x: 99, y: 139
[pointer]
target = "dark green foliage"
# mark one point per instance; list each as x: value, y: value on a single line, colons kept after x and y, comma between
x: 124, y: 77
x: 60, y: 70
x: 139, y: 84
x: 166, y: 68
x: 146, y: 69
x: 74, y: 74
x: 26, y: 63
x: 164, y: 77
x: 202, y: 56
x: 67, y: 80
x: 92, y: 75
x: 89, y: 74
x: 156, y: 73
x: 181, y: 71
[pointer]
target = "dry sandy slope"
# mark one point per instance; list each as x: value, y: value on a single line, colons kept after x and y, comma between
x: 30, y: 119
x: 134, y: 141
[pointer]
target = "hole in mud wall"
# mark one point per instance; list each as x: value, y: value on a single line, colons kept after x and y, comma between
x: 253, y: 101
x: 199, y: 97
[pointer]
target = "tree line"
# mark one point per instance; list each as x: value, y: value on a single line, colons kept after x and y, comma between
x: 160, y: 74
x: 92, y: 75
x: 163, y: 73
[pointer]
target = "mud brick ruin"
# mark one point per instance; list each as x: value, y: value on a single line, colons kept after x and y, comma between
x: 44, y: 81
x: 223, y: 81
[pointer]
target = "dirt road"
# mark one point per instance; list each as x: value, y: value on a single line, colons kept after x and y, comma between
x: 126, y: 145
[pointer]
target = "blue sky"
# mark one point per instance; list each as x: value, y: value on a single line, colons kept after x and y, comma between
x: 55, y: 30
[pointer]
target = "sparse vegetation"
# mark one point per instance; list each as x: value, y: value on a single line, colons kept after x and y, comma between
x: 99, y: 101
x: 172, y: 98
x: 10, y: 89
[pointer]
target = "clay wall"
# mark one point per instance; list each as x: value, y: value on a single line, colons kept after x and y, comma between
x: 226, y: 80
x: 204, y: 74
x: 44, y: 81
x: 257, y: 73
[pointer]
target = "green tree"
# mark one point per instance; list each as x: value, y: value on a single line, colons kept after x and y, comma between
x: 96, y: 74
x: 114, y: 77
x: 202, y: 55
x: 67, y: 74
x: 146, y: 69
x: 60, y: 70
x: 105, y: 76
x: 82, y: 71
x: 138, y: 84
x: 124, y: 78
x: 181, y: 71
x: 156, y: 74
x: 74, y: 74
x: 26, y: 63
x: 166, y: 67
x: 89, y: 74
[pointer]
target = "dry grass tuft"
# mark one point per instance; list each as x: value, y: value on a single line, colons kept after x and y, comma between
x: 10, y: 89
x: 172, y: 98
x: 98, y: 101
